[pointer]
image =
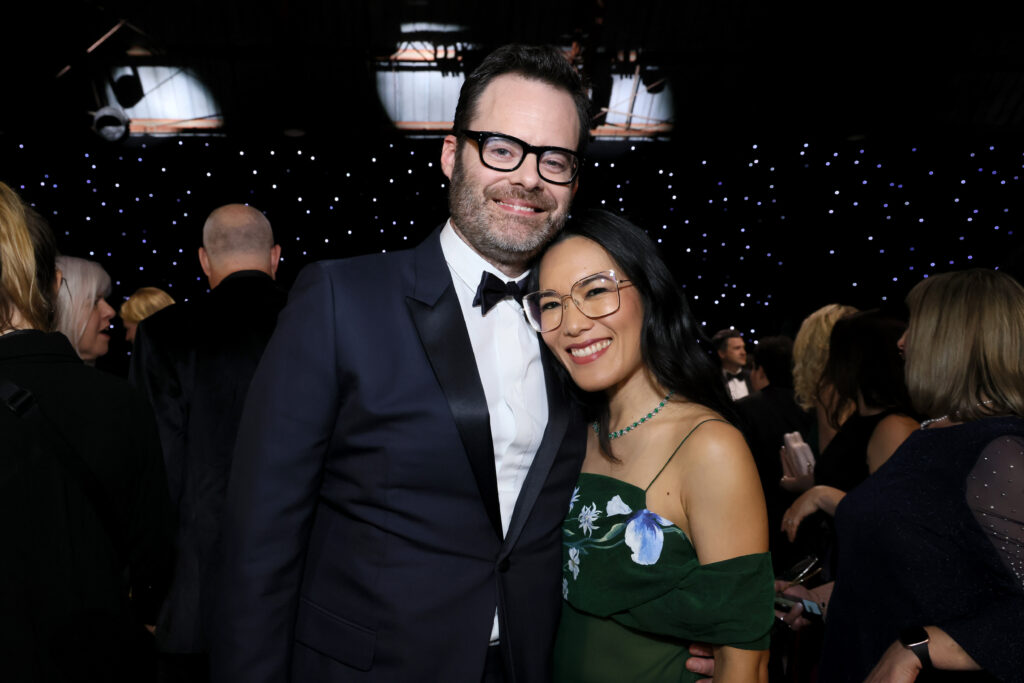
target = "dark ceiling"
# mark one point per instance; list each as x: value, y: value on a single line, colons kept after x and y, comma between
x: 737, y: 68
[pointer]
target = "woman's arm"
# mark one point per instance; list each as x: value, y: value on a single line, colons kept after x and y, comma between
x: 724, y: 505
x: 734, y: 664
x: 887, y: 437
x: 824, y: 498
x: 721, y: 495
x: 900, y: 664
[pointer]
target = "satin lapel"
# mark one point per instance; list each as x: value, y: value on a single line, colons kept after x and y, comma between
x: 554, y: 435
x: 437, y: 316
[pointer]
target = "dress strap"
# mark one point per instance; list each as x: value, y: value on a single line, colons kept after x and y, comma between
x: 710, y: 419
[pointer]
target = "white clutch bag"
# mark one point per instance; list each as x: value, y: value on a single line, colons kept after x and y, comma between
x: 797, y: 457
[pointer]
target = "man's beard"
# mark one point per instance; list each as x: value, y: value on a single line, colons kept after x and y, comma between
x: 498, y: 236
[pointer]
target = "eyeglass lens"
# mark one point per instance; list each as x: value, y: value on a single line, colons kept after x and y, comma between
x: 504, y: 154
x: 595, y: 296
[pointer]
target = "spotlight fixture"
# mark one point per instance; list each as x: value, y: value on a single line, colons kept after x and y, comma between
x: 128, y: 89
x: 110, y: 123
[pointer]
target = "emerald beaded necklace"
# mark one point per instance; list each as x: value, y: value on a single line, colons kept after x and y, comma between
x: 642, y: 420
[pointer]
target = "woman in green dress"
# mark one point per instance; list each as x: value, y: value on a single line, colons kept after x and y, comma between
x: 665, y: 542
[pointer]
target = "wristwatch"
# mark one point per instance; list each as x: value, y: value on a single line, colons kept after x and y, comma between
x: 915, y: 639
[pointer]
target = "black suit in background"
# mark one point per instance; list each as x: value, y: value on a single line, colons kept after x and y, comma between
x: 764, y: 418
x: 194, y: 361
x: 68, y: 562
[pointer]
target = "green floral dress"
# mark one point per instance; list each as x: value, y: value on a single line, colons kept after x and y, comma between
x: 636, y: 595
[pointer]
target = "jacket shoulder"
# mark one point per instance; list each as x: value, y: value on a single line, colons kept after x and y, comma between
x: 369, y: 269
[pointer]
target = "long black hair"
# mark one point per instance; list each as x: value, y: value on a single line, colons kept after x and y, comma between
x: 672, y: 345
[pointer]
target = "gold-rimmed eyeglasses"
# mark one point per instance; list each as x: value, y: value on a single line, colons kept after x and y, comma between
x: 595, y: 296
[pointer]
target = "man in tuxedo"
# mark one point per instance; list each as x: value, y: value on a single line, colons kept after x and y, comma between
x: 406, y: 455
x: 732, y: 353
x: 194, y: 360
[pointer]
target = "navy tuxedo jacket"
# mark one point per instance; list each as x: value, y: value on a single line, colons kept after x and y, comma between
x: 362, y: 534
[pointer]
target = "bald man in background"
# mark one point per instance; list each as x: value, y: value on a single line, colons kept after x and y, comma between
x: 194, y: 360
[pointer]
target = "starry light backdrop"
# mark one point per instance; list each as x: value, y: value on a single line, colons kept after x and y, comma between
x: 758, y: 234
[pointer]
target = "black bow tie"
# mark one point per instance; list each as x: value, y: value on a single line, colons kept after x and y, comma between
x: 493, y: 289
x: 730, y: 377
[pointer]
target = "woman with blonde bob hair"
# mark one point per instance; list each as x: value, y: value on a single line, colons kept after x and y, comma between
x: 931, y: 546
x: 810, y: 352
x: 143, y: 303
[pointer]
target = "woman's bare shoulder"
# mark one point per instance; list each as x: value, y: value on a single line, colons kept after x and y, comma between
x: 701, y: 435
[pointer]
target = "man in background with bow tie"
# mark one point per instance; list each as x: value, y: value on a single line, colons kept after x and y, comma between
x: 732, y: 352
x: 406, y: 456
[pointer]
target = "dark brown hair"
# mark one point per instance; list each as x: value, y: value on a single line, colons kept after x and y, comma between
x: 536, y: 62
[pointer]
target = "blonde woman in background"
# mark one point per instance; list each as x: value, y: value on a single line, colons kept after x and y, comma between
x: 143, y: 303
x: 810, y: 353
x: 83, y: 314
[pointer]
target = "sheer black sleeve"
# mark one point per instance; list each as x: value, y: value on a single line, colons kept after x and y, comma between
x: 995, y: 494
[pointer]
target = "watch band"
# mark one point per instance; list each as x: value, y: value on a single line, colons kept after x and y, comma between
x: 915, y: 639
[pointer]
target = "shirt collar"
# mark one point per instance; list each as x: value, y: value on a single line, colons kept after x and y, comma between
x: 465, y: 263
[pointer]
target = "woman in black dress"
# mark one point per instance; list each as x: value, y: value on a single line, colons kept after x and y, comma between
x: 931, y: 546
x: 864, y: 369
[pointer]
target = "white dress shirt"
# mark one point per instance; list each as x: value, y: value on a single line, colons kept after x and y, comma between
x: 507, y: 354
x: 737, y: 386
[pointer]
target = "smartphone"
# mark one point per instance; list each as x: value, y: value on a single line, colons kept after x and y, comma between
x: 812, y: 610
x: 798, y: 571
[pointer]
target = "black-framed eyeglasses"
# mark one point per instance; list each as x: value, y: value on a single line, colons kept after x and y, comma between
x: 595, y: 296
x: 501, y: 152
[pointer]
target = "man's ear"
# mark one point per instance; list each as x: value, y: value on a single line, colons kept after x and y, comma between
x: 275, y: 259
x: 721, y: 354
x: 575, y: 187
x: 204, y: 261
x: 449, y: 148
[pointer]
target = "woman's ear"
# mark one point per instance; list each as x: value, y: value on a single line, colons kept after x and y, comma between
x: 57, y: 281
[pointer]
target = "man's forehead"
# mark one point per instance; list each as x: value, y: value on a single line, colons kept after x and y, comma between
x: 530, y: 109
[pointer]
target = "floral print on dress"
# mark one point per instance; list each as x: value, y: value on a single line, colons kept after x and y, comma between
x: 589, y: 515
x: 616, y: 506
x: 645, y: 537
x: 575, y: 497
x: 641, y: 533
x: 574, y: 562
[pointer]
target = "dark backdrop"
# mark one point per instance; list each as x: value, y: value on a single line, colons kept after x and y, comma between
x: 759, y: 234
